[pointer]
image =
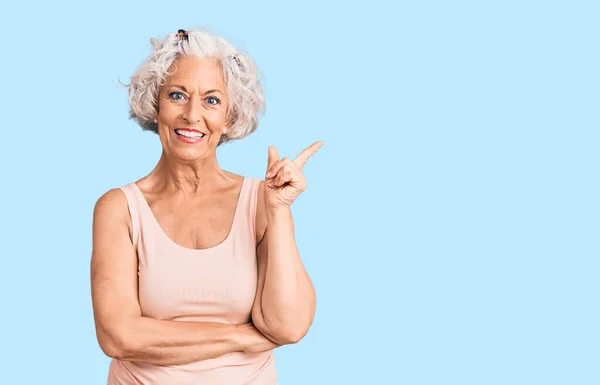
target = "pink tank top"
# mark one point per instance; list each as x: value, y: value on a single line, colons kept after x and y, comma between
x: 217, y: 284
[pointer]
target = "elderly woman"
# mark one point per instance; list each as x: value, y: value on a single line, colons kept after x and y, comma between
x: 195, y: 272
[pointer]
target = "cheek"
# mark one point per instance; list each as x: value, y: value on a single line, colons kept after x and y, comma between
x: 167, y: 112
x: 215, y: 118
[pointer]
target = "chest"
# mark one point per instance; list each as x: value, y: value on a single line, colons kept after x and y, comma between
x: 197, y: 258
x: 216, y: 285
x: 208, y: 272
x: 195, y: 226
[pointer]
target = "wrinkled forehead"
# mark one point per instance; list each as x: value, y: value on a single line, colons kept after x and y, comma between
x: 196, y: 74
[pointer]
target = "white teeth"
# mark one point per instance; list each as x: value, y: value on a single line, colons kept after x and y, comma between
x: 189, y: 134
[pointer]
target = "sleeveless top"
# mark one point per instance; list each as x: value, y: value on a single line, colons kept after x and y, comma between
x: 217, y: 284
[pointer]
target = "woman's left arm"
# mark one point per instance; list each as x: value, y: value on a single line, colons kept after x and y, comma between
x: 285, y: 301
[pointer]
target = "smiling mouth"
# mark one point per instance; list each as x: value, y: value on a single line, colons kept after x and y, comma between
x: 190, y: 134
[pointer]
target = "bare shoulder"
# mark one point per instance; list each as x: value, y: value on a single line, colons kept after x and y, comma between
x: 261, y: 215
x: 112, y: 199
x: 112, y: 207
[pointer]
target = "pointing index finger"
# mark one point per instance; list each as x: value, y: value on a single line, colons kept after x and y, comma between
x: 273, y: 157
x: 307, y: 153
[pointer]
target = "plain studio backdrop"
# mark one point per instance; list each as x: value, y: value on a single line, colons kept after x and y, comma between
x: 451, y: 219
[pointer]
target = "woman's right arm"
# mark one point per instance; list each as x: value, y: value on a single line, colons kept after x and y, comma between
x: 121, y: 330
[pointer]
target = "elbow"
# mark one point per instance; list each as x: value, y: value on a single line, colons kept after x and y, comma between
x: 293, y: 336
x: 283, y: 334
x: 295, y: 329
x: 115, y: 352
x: 287, y: 327
x: 108, y: 347
x: 114, y: 346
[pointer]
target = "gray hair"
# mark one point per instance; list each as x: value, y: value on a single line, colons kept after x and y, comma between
x: 241, y: 75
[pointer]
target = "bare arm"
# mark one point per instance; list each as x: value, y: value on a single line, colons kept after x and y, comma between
x: 121, y: 329
x: 285, y: 302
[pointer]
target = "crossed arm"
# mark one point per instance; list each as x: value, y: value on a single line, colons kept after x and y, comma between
x: 121, y: 330
x: 282, y: 312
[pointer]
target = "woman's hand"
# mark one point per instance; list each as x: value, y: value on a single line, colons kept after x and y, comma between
x: 284, y: 179
x: 253, y: 341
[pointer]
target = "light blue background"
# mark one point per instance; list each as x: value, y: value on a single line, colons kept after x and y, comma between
x: 451, y: 222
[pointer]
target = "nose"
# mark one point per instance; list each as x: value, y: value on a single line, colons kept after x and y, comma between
x: 193, y: 111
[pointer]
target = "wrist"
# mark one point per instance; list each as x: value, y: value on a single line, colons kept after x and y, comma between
x: 274, y: 212
x: 240, y: 336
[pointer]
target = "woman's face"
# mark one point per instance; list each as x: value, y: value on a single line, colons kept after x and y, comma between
x: 192, y: 109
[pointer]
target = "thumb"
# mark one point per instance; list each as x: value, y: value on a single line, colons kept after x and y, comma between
x: 273, y: 157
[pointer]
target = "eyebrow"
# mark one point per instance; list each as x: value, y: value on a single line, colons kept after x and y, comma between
x: 183, y: 88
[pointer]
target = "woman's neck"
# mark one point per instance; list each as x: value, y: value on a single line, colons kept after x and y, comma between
x: 174, y: 174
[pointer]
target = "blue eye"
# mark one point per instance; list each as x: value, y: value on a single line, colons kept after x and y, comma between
x: 175, y: 93
x: 216, y: 100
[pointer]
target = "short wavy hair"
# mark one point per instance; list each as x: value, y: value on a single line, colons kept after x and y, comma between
x: 241, y: 75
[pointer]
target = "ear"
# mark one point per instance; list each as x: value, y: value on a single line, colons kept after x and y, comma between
x: 227, y: 127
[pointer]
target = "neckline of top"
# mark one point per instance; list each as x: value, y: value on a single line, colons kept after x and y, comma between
x: 188, y: 249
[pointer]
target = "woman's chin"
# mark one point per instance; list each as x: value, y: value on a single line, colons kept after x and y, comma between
x: 189, y: 154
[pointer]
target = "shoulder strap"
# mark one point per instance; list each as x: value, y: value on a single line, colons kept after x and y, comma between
x: 245, y: 216
x: 133, y: 204
x: 253, y: 203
